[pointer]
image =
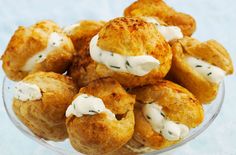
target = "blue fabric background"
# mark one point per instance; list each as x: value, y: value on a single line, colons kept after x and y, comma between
x: 215, y: 19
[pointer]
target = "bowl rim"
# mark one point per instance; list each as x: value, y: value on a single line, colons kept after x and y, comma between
x: 63, y: 152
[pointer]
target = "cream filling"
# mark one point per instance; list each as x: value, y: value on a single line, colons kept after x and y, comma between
x: 160, y: 124
x: 136, y: 65
x: 88, y: 105
x: 27, y: 92
x: 210, y: 72
x: 69, y: 29
x: 54, y: 41
x: 169, y: 32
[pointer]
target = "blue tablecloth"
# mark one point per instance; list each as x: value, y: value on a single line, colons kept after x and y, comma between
x: 215, y: 19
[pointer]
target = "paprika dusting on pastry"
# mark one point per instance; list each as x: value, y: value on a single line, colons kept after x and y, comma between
x: 136, y: 65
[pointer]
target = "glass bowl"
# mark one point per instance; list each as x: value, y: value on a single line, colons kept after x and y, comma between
x: 211, y: 111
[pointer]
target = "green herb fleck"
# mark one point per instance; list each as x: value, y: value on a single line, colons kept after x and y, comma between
x: 151, y: 102
x: 163, y: 114
x: 115, y: 67
x: 209, y: 73
x: 148, y: 117
x: 170, y: 133
x: 93, y: 111
x: 127, y: 63
x: 112, y: 54
x: 198, y: 66
x: 40, y: 56
x: 74, y: 106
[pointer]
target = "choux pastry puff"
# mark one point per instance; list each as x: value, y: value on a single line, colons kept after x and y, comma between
x: 158, y: 8
x: 40, y: 102
x: 81, y: 32
x: 83, y: 67
x: 164, y: 115
x: 40, y: 47
x: 130, y: 50
x: 100, y: 119
x: 200, y: 66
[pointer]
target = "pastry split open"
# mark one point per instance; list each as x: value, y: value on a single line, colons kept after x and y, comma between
x: 130, y: 50
x: 100, y: 118
x: 40, y: 47
x: 40, y: 102
x: 200, y: 66
x: 164, y: 115
x: 83, y: 68
x: 158, y: 8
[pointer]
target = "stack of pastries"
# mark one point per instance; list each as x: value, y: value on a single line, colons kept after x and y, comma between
x: 131, y: 85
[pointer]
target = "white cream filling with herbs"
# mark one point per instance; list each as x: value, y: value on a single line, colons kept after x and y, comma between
x: 136, y: 65
x: 169, y: 32
x: 161, y: 124
x: 88, y: 105
x: 212, y: 73
x: 69, y: 29
x: 27, y: 92
x: 54, y: 41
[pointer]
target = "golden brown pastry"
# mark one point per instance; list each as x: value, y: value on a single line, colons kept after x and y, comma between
x: 170, y: 33
x: 40, y: 47
x: 164, y: 114
x: 83, y: 67
x: 200, y: 66
x: 100, y: 119
x: 164, y: 12
x: 82, y: 32
x: 40, y: 102
x: 130, y: 50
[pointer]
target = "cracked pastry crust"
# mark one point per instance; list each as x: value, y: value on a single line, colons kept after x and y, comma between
x: 46, y: 117
x: 26, y: 42
x: 164, y: 12
x: 83, y: 67
x: 177, y: 103
x: 97, y: 134
x: 210, y: 51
